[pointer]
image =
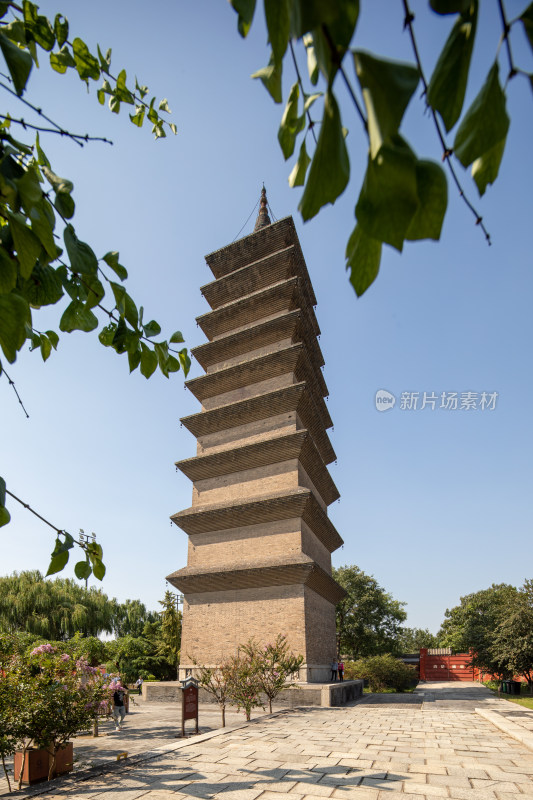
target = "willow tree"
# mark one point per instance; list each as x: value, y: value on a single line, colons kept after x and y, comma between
x: 56, y: 609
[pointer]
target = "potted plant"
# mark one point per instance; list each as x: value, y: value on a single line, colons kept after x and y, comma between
x: 58, y: 696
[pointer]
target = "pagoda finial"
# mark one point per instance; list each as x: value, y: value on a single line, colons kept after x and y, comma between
x: 262, y: 218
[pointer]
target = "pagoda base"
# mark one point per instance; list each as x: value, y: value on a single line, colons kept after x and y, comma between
x: 324, y: 694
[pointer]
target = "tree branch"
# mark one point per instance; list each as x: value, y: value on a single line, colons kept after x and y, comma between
x: 12, y: 384
x: 61, y: 131
x: 84, y: 137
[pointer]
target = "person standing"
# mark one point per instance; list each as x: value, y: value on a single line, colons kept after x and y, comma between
x: 340, y: 669
x: 119, y: 707
x: 334, y: 668
x: 139, y: 684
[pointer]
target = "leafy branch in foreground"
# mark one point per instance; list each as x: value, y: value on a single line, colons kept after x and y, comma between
x: 36, y: 209
x: 403, y: 197
x: 92, y: 565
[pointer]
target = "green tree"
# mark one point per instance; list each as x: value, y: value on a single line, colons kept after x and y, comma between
x: 410, y: 640
x: 130, y: 618
x: 275, y: 664
x: 472, y: 625
x: 512, y: 645
x: 403, y: 197
x: 55, y: 609
x: 368, y: 618
x: 170, y: 643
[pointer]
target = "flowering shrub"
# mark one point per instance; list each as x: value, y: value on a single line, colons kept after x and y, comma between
x: 46, y: 698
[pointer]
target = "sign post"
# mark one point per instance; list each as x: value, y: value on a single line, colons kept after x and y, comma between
x: 189, y: 702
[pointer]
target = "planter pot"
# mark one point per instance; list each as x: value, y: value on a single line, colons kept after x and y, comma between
x: 37, y: 764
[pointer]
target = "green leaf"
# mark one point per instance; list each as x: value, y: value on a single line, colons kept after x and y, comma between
x: 526, y: 19
x: 46, y: 347
x: 485, y: 168
x: 82, y: 258
x: 152, y: 113
x: 291, y: 123
x: 121, y: 90
x: 111, y: 259
x: 148, y: 361
x: 312, y: 63
x: 185, y: 361
x: 86, y: 64
x: 82, y: 570
x: 62, y: 60
x: 26, y: 243
x: 105, y: 61
x: 130, y: 311
x: 119, y: 293
x: 363, y: 256
x: 330, y: 168
x: 61, y: 29
x: 134, y: 359
x: 120, y: 338
x: 161, y: 351
x: 176, y: 338
x: 307, y: 15
x: 152, y: 328
x: 447, y: 87
x: 58, y: 184
x: 95, y: 290
x: 60, y: 555
x: 245, y: 9
x: 389, y: 200
x: 29, y: 188
x: 54, y: 338
x: 432, y: 192
x: 138, y: 117
x: 297, y: 176
x: 64, y: 205
x: 107, y: 334
x: 485, y: 124
x: 271, y: 78
x: 41, y: 157
x: 2, y: 492
x: 38, y: 28
x: 57, y: 563
x: 173, y: 364
x: 163, y: 106
x: 8, y: 272
x: 387, y: 88
x: 19, y: 63
x: 42, y: 228
x: 44, y: 286
x: 77, y: 317
x: 278, y: 19
x: 5, y: 516
x: 98, y: 569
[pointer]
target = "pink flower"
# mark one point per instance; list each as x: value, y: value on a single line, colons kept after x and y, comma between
x: 65, y: 657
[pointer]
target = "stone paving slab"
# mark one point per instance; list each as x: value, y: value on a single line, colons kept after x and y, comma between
x: 367, y: 751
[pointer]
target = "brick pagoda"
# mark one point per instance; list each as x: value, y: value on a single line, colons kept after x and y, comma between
x: 260, y: 541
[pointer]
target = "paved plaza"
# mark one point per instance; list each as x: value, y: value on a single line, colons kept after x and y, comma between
x: 445, y: 740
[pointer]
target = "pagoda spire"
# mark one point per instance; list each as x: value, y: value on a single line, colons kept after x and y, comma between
x: 262, y: 218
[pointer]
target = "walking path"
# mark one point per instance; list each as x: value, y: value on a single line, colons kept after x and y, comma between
x: 430, y: 744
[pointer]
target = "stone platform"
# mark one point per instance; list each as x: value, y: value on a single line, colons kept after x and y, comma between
x: 326, y: 695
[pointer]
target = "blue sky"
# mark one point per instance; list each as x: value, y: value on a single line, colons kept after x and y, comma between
x: 434, y: 503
